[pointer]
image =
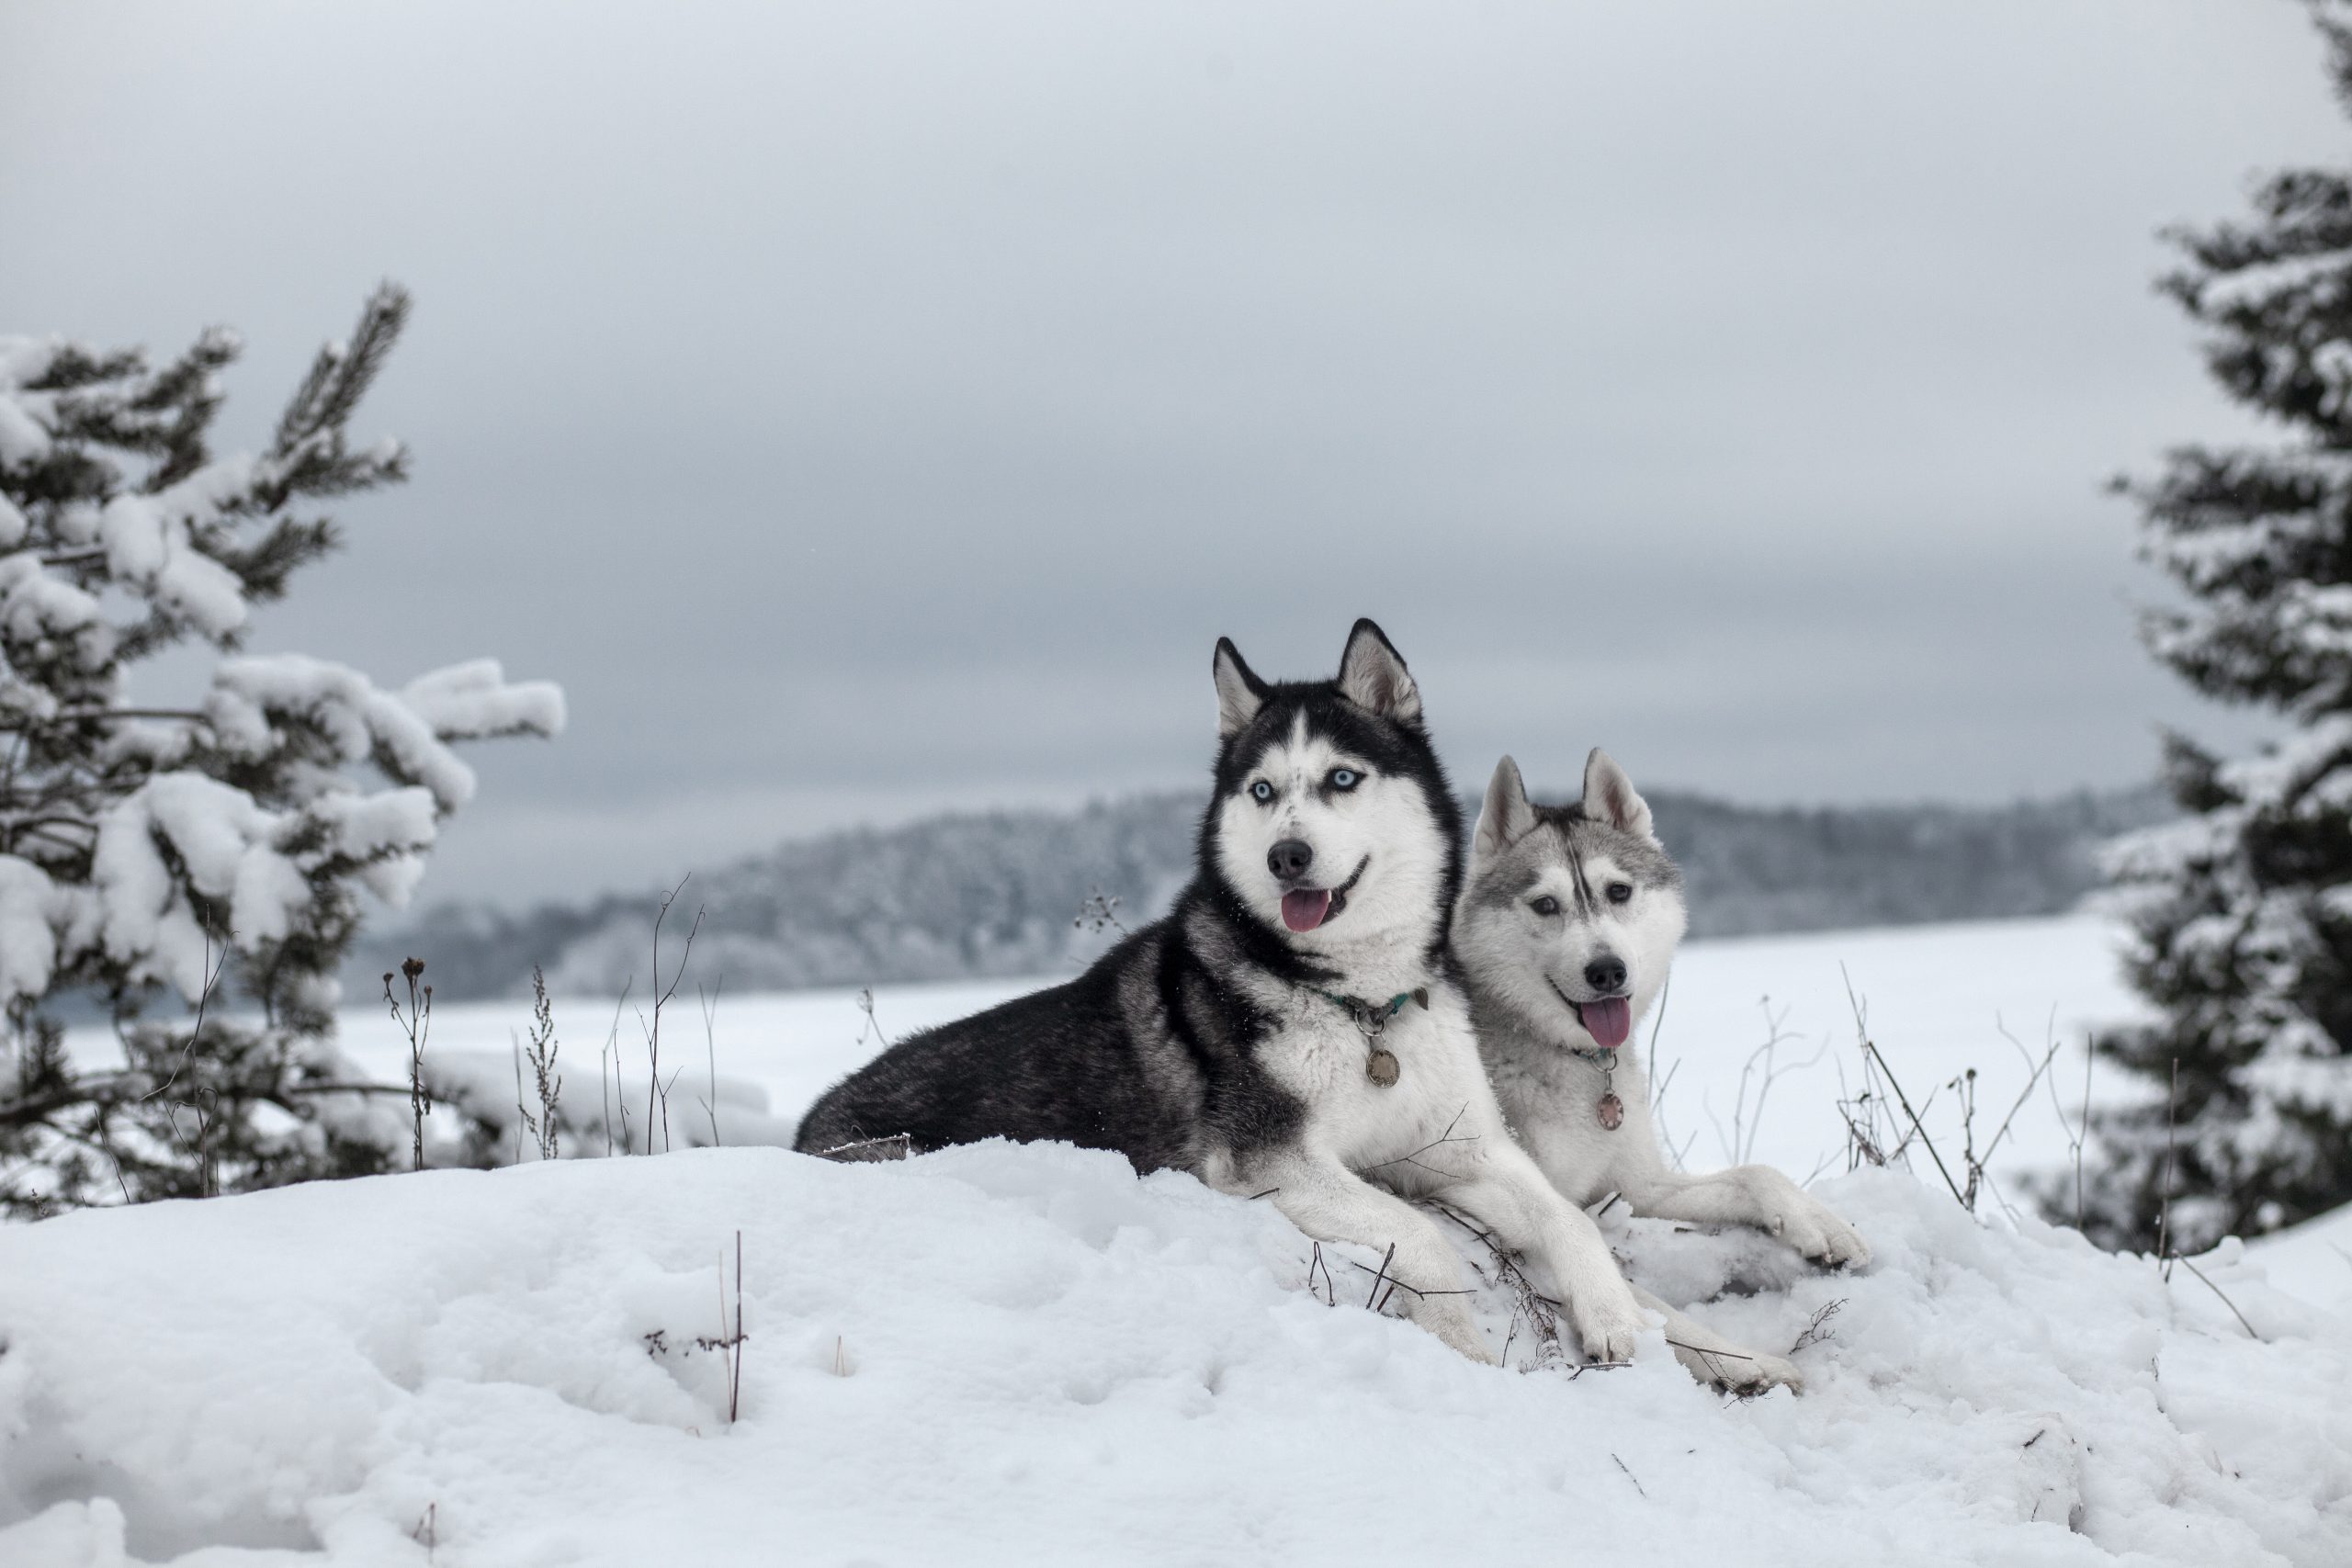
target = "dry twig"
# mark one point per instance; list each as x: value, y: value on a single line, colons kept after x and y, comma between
x: 1374, y: 1299
x: 1871, y: 1053
x: 211, y: 980
x: 417, y: 1023
x: 656, y: 1092
x: 1740, y: 1147
x: 1817, y: 1331
x: 619, y: 1101
x: 1540, y: 1311
x: 1413, y: 1159
x: 546, y: 1080
x: 710, y: 1049
x: 2192, y: 1268
x: 2163, y: 1216
x: 522, y: 1122
x: 730, y: 1340
x: 1098, y: 912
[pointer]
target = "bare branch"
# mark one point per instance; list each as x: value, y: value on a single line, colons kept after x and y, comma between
x: 1413, y: 1159
x: 2192, y: 1268
x: 1817, y: 1331
x: 1871, y: 1051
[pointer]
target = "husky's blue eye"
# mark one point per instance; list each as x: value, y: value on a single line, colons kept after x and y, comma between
x: 1546, y: 905
x: 1345, y: 778
x: 1261, y: 791
x: 1619, y: 891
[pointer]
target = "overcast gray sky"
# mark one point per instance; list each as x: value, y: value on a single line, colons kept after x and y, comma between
x: 872, y: 407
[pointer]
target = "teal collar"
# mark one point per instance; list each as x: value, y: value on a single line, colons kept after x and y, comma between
x: 1373, y: 1016
x: 1393, y: 1006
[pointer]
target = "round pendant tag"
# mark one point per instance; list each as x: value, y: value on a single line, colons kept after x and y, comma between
x: 1613, y: 1112
x: 1381, y: 1067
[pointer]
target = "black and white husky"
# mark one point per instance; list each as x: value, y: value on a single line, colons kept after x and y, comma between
x: 1292, y: 1028
x: 1564, y: 933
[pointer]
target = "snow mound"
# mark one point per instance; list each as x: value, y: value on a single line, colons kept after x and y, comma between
x: 1025, y: 1354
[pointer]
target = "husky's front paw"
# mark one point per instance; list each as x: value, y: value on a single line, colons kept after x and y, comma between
x: 1782, y: 1209
x: 1809, y: 1225
x: 1607, y: 1323
x: 1446, y: 1317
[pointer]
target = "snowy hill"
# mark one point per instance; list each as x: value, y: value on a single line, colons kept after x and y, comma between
x: 999, y: 894
x: 1025, y: 1355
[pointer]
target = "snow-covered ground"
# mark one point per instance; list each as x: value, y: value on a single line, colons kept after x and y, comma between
x: 1028, y: 1355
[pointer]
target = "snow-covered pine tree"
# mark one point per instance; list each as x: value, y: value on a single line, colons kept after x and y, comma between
x: 216, y: 851
x: 2243, y: 910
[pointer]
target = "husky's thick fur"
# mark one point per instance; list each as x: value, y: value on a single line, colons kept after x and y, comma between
x: 1247, y: 1036
x: 1564, y: 930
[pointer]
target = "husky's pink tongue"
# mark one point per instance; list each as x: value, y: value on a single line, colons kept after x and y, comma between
x: 1608, y: 1020
x: 1304, y: 911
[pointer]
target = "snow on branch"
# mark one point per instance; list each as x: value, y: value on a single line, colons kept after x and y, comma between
x: 472, y: 701
x: 147, y: 851
x: 149, y: 543
x: 264, y: 708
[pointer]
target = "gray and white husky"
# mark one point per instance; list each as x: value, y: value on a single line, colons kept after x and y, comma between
x: 1292, y: 1029
x: 1565, y: 930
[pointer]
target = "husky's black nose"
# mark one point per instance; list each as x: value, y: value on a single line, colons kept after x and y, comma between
x: 1606, y: 975
x: 1290, y: 859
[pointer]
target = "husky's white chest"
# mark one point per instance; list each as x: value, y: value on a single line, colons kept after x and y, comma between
x: 1552, y: 1099
x: 1439, y: 1087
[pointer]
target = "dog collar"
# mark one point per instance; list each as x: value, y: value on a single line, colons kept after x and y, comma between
x: 1611, y: 1112
x: 1371, y: 1018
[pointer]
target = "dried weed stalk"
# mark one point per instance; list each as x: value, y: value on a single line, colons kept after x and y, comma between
x: 417, y: 1023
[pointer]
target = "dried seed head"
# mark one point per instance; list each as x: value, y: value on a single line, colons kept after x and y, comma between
x: 412, y: 967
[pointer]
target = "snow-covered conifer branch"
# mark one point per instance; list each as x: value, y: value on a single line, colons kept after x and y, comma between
x: 137, y: 844
x: 2242, y: 912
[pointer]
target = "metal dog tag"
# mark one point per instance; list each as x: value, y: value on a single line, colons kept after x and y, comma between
x: 1613, y: 1112
x: 1381, y: 1067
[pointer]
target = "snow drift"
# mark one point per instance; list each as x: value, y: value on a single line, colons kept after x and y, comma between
x: 1004, y: 1354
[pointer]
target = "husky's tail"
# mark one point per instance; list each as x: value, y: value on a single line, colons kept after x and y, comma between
x: 830, y: 1130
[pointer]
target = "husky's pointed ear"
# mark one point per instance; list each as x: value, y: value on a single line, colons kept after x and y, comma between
x: 1608, y: 796
x: 1373, y: 675
x: 1239, y: 693
x: 1506, y: 817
